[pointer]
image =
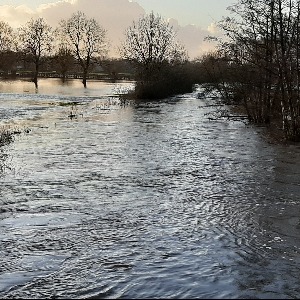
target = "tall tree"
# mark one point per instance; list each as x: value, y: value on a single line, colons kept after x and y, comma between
x: 150, y: 45
x: 86, y: 38
x: 36, y: 40
x: 262, y: 41
x: 248, y: 48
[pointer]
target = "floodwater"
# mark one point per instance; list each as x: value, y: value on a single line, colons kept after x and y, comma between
x: 102, y: 200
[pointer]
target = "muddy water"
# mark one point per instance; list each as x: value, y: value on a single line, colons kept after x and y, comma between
x: 142, y: 201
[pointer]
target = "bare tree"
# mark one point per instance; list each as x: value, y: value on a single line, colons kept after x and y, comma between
x: 286, y: 45
x: 262, y: 50
x: 160, y: 61
x: 36, y: 40
x: 86, y: 38
x: 7, y: 45
x: 248, y: 46
x: 6, y: 37
x: 150, y: 42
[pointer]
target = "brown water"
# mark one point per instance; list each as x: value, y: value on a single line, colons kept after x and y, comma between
x: 142, y: 201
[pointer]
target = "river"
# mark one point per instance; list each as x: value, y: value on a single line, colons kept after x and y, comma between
x: 102, y: 200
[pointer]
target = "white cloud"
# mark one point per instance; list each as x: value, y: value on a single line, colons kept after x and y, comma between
x: 213, y: 28
x: 15, y: 16
x: 193, y: 37
x: 113, y: 15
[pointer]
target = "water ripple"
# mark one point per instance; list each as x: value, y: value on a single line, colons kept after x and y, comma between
x: 145, y: 201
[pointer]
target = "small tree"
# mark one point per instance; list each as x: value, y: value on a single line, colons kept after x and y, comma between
x: 36, y: 40
x: 150, y: 44
x: 87, y: 40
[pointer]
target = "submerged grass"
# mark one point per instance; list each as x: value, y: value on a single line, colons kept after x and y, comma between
x: 6, y: 136
x: 69, y: 103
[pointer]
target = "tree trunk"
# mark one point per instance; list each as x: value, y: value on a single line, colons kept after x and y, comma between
x: 84, y: 78
x: 64, y: 77
x: 35, y: 78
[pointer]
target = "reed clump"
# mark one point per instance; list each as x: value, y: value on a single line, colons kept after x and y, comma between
x: 6, y: 135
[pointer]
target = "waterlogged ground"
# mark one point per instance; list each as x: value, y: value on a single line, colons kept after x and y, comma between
x: 142, y: 201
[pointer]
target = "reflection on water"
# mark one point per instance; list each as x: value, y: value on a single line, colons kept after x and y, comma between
x: 56, y: 86
x: 144, y: 201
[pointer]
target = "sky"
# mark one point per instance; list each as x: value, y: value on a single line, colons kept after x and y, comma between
x: 192, y: 19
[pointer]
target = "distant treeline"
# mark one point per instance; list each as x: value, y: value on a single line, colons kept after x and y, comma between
x: 19, y: 65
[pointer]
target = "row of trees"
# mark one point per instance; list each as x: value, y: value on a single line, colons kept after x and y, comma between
x: 258, y: 62
x: 149, y: 45
x: 78, y: 37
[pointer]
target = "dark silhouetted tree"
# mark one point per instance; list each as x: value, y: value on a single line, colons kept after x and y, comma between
x: 86, y: 39
x: 36, y: 40
x: 150, y: 44
x: 261, y: 49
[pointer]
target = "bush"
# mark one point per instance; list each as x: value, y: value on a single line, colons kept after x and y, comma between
x: 168, y: 81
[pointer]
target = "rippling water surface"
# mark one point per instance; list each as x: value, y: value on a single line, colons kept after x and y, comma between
x: 142, y: 201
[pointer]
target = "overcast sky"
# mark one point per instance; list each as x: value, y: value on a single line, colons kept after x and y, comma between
x: 194, y: 19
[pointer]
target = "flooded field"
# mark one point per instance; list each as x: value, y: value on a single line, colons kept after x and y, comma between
x: 103, y: 200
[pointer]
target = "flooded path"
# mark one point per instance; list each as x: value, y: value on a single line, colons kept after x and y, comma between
x: 144, y: 201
